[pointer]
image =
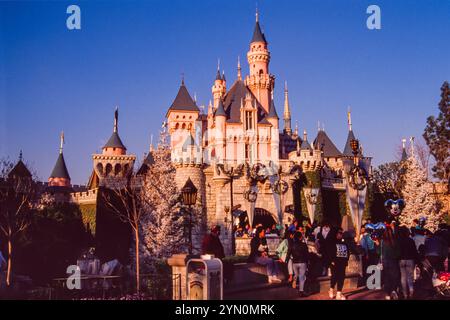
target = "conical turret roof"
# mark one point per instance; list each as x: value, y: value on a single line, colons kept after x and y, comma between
x: 183, y: 101
x: 60, y: 168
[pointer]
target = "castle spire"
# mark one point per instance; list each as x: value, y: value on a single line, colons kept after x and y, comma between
x: 411, y: 141
x: 61, y: 143
x: 404, y: 154
x: 256, y: 14
x: 287, y: 111
x: 116, y: 119
x: 218, y: 77
x: 239, y: 74
x: 151, y: 143
x: 349, y: 119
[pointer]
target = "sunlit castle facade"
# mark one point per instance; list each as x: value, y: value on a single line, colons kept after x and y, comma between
x: 235, y: 152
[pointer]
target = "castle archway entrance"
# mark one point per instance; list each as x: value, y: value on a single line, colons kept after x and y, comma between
x: 264, y: 217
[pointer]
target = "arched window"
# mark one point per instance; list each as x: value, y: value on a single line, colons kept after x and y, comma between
x: 117, y: 169
x: 100, y: 168
x: 108, y: 169
x: 177, y: 126
x: 183, y: 126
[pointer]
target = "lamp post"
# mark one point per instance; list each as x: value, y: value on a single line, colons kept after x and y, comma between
x: 230, y: 173
x: 189, y: 194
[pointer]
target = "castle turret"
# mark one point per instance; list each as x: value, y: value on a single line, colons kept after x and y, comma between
x: 113, y: 167
x: 260, y: 81
x: 220, y: 130
x: 287, y: 112
x: 351, y: 136
x: 60, y: 175
x: 219, y: 88
x: 114, y: 146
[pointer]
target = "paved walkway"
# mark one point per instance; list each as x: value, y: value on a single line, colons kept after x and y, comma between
x: 351, y: 294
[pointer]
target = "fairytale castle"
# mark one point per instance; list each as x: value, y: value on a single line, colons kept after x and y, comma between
x: 240, y: 158
x: 242, y: 161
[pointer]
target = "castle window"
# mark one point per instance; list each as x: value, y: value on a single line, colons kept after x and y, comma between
x: 183, y: 126
x: 117, y: 169
x: 100, y: 168
x: 177, y: 126
x: 248, y: 120
x: 108, y: 169
x: 248, y: 151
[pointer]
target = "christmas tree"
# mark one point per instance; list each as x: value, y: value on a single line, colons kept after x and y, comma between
x: 418, y: 195
x: 163, y: 226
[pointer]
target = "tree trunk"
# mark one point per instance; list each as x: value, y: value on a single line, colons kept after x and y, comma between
x: 8, y: 273
x: 138, y: 272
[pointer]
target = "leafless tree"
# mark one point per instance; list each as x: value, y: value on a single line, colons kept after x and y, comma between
x: 130, y: 205
x: 16, y: 204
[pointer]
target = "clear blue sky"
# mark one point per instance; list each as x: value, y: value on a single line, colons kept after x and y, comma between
x: 131, y: 54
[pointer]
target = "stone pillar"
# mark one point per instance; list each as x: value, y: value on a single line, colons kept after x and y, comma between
x: 178, y: 263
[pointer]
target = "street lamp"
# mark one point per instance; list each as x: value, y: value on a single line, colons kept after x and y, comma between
x: 189, y: 194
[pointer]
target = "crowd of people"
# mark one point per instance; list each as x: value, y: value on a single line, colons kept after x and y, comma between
x: 407, y: 257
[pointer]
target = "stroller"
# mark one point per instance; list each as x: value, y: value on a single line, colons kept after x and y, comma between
x: 440, y: 281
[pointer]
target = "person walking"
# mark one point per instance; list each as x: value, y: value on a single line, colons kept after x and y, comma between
x: 339, y: 262
x: 211, y: 243
x: 259, y: 253
x: 325, y: 241
x: 298, y: 254
x: 409, y: 257
x: 389, y: 256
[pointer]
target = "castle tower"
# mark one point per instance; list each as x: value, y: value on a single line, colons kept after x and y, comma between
x: 113, y: 166
x: 260, y: 81
x: 60, y: 175
x: 287, y: 112
x: 272, y: 117
x: 181, y: 121
x: 219, y: 88
x: 220, y: 131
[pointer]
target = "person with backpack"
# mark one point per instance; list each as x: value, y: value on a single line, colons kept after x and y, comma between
x: 298, y: 253
x: 339, y: 262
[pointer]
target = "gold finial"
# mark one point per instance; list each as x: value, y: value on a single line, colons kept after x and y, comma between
x: 61, y: 142
x: 257, y: 14
x: 305, y: 136
x: 349, y: 119
x: 404, y: 143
